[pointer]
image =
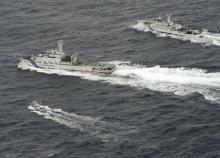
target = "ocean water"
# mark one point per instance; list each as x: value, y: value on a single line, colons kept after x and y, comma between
x: 163, y: 100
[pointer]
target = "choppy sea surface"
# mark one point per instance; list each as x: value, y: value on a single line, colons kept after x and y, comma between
x: 163, y: 100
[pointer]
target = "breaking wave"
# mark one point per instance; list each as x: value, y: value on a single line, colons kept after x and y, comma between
x: 209, y: 38
x: 93, y: 126
x: 180, y: 81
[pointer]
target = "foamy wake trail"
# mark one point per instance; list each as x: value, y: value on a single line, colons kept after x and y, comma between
x: 209, y: 38
x: 180, y: 81
x: 93, y: 126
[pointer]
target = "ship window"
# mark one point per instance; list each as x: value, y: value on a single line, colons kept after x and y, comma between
x: 189, y: 32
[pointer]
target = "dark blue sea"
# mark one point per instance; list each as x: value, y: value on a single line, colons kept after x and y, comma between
x: 162, y: 101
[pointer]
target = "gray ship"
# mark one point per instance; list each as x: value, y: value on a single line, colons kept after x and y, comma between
x: 169, y: 27
x: 57, y: 59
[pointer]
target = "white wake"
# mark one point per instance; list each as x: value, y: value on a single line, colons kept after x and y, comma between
x: 180, y: 81
x: 208, y: 37
x: 93, y: 126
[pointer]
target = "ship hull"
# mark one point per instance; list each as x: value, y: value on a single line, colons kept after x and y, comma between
x: 67, y: 66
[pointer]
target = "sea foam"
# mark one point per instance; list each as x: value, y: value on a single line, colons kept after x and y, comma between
x: 180, y: 81
x: 93, y: 126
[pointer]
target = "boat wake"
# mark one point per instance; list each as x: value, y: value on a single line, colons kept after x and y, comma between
x: 180, y: 81
x: 208, y: 37
x: 93, y: 126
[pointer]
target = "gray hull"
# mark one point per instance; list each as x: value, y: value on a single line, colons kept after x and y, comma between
x: 65, y: 66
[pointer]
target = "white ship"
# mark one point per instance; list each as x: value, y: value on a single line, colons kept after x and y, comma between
x: 57, y: 59
x: 158, y: 25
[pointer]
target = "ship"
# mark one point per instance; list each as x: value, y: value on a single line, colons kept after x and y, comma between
x: 158, y: 25
x: 58, y: 59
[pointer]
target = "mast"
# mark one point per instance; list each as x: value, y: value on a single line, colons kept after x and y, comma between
x: 169, y: 19
x: 60, y: 47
